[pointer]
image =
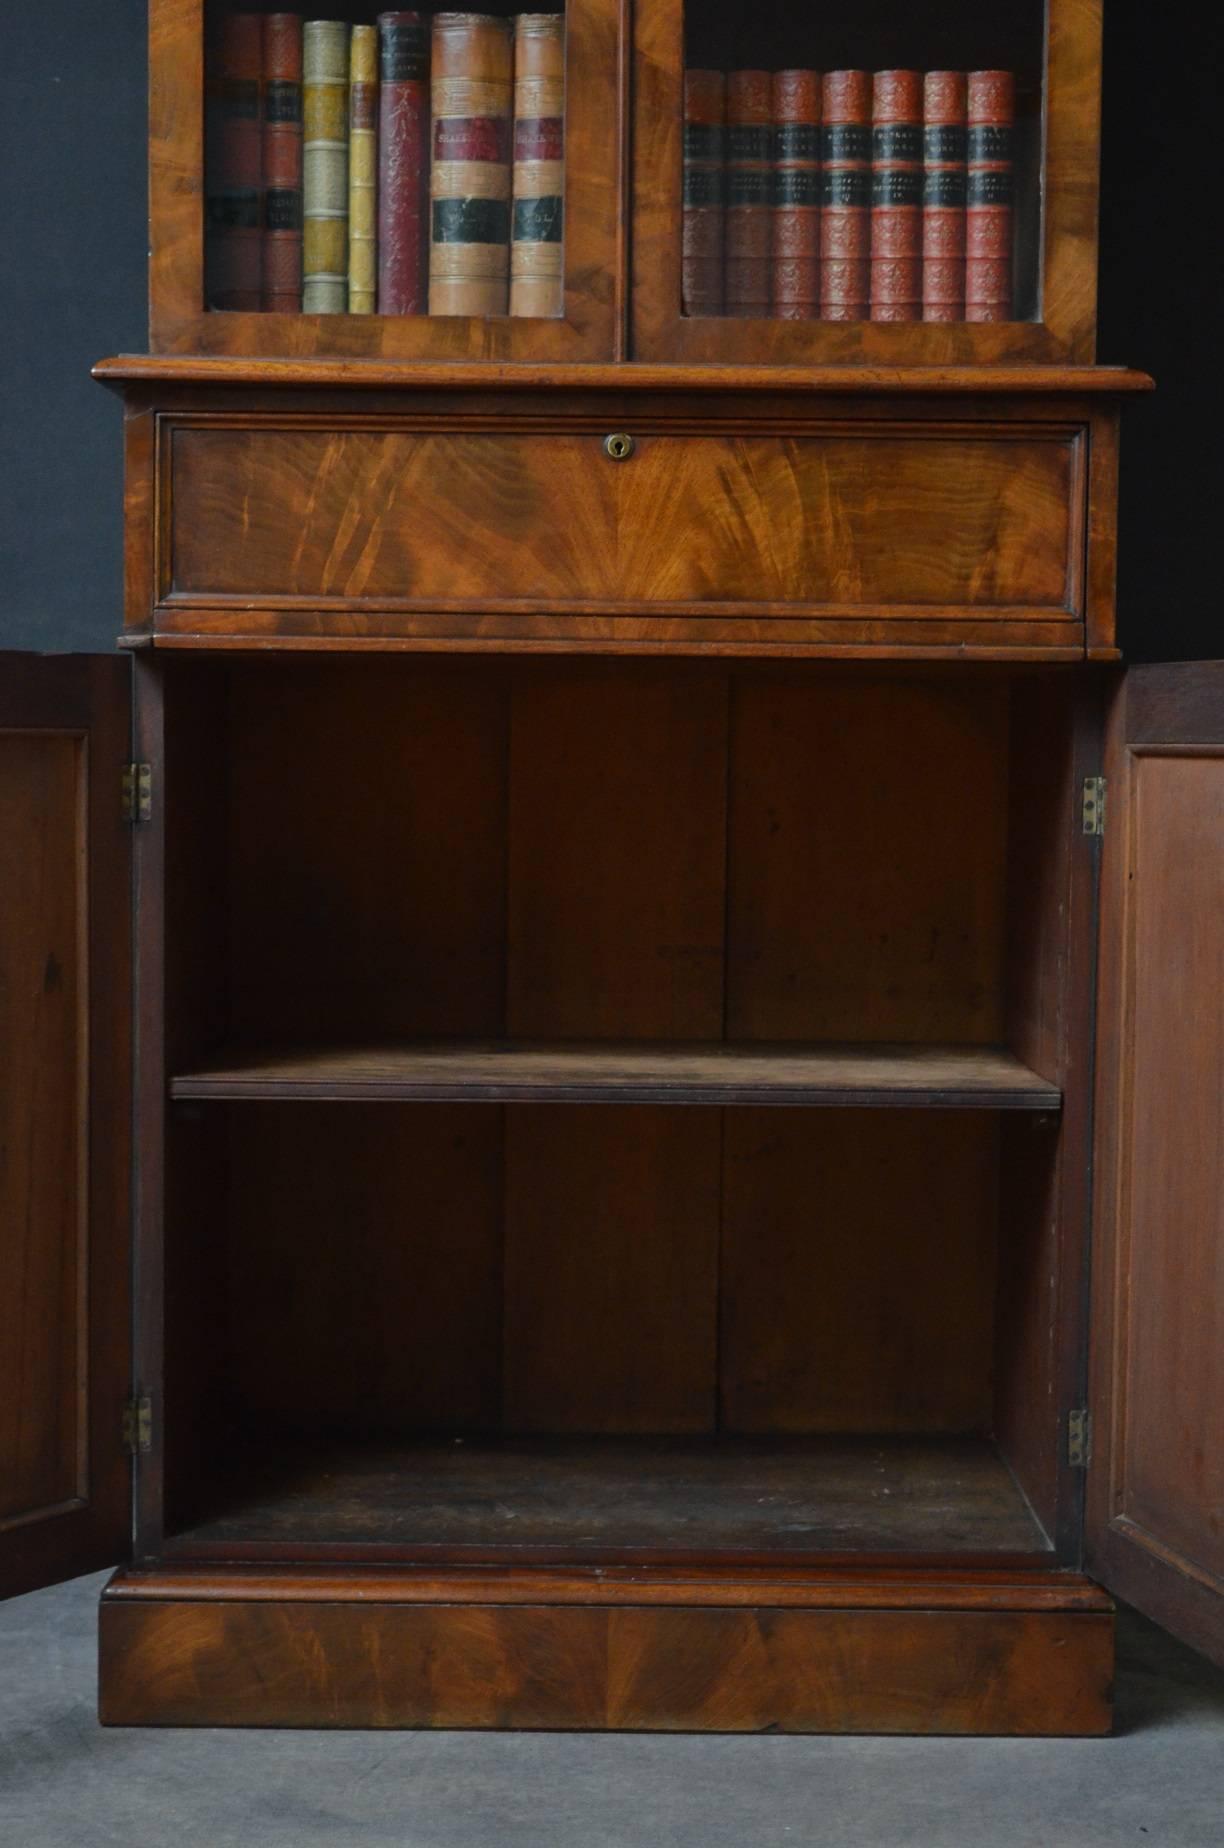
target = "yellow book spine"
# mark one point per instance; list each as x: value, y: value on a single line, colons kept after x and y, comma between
x: 363, y: 171
x: 325, y: 49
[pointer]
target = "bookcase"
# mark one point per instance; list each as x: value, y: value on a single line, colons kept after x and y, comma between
x: 632, y: 1136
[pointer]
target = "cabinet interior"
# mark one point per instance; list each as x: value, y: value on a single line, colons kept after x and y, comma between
x: 575, y: 1329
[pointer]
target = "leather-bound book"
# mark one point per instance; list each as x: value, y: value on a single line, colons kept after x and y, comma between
x: 704, y: 205
x: 845, y: 196
x: 896, y: 196
x: 988, y: 205
x: 749, y: 180
x: 282, y: 163
x: 236, y: 215
x: 795, y: 288
x: 471, y: 84
x: 943, y: 196
x: 403, y: 162
x: 537, y: 275
x: 363, y: 170
x: 325, y: 57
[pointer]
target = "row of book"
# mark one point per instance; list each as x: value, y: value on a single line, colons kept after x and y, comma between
x: 412, y: 167
x: 855, y: 196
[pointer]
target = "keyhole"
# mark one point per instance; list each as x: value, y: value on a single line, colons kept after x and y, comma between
x: 618, y: 447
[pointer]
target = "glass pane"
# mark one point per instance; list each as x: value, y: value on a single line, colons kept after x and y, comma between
x: 401, y: 163
x: 880, y: 162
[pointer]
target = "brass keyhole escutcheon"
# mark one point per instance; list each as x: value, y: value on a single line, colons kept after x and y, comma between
x: 619, y: 447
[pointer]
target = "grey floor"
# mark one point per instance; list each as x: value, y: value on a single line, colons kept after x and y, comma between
x: 65, y: 1783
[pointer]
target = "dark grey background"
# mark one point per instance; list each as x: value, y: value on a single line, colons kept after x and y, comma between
x: 72, y: 161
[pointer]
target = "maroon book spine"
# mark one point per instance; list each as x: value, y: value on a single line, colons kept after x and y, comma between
x: 403, y: 163
x: 845, y: 193
x: 703, y: 213
x: 988, y: 207
x: 796, y: 195
x: 282, y: 163
x: 943, y: 196
x: 237, y: 215
x: 749, y: 189
x: 896, y: 196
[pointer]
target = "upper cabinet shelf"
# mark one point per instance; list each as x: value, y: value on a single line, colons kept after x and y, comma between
x: 739, y: 182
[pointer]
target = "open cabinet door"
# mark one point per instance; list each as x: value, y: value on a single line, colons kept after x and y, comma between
x: 65, y: 1113
x: 1156, y: 1474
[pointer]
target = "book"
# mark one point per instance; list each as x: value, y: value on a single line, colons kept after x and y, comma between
x: 236, y: 205
x: 537, y: 278
x: 471, y: 88
x: 943, y: 196
x: 749, y: 185
x: 991, y: 111
x: 325, y: 53
x: 896, y: 196
x: 795, y: 259
x: 282, y: 163
x: 845, y: 196
x: 363, y: 170
x: 703, y: 215
x: 403, y: 162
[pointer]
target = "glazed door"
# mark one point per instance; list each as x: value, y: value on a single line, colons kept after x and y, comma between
x: 65, y: 1109
x: 1156, y: 1475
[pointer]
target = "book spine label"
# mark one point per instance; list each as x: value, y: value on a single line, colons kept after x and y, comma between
x: 363, y: 170
x: 469, y: 185
x: 988, y: 205
x: 749, y: 179
x: 944, y: 101
x: 282, y: 163
x: 896, y: 196
x: 235, y: 281
x: 403, y: 162
x: 537, y: 274
x: 325, y: 56
x: 795, y: 263
x: 703, y: 212
x: 845, y: 193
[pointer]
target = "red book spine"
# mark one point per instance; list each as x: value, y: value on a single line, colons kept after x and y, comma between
x: 988, y: 209
x: 749, y: 189
x: 237, y: 215
x: 896, y: 196
x: 845, y: 217
x: 403, y: 163
x: 796, y: 196
x: 703, y: 213
x: 282, y: 163
x: 943, y: 196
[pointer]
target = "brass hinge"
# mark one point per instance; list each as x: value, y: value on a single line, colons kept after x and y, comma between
x: 1079, y: 1439
x: 137, y: 792
x: 138, y: 1425
x: 1093, y: 807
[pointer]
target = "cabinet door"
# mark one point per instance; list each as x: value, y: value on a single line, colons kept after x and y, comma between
x: 1156, y: 1476
x: 65, y: 1105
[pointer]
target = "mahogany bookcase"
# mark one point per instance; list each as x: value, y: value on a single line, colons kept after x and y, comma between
x: 609, y: 1009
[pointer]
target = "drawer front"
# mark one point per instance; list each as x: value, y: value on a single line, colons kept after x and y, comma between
x: 964, y: 522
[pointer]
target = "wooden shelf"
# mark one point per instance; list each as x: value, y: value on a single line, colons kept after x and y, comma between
x: 903, y: 1077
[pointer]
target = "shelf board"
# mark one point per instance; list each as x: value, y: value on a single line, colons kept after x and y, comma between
x: 904, y: 1077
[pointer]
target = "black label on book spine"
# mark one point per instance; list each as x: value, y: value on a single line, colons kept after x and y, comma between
x: 945, y: 141
x: 282, y: 100
x: 703, y: 186
x: 240, y: 98
x: 846, y: 141
x: 797, y: 141
x: 795, y: 187
x: 703, y: 141
x: 471, y: 221
x: 896, y: 141
x: 403, y: 54
x: 283, y: 208
x: 234, y: 211
x: 890, y: 187
x: 946, y: 187
x: 538, y: 221
x: 990, y: 189
x: 748, y: 188
x: 845, y: 188
x: 989, y: 142
x: 748, y: 141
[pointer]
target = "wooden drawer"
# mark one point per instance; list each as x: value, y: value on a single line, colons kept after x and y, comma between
x: 846, y: 523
